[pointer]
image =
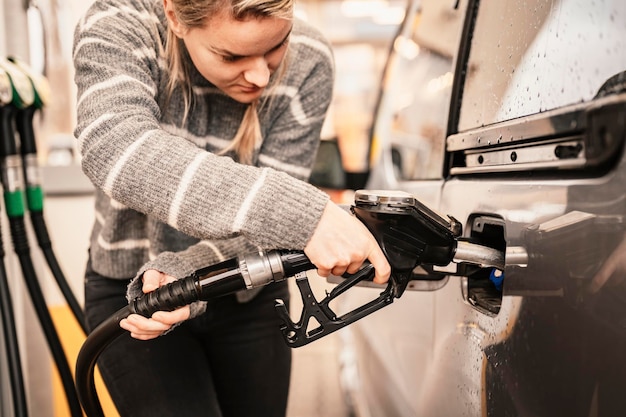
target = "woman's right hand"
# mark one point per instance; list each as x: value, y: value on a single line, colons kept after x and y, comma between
x: 341, y: 243
x: 144, y: 328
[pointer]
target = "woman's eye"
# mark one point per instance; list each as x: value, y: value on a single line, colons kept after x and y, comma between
x: 229, y: 58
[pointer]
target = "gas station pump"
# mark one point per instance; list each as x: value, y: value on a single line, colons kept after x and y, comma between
x: 20, y: 99
x: 6, y: 303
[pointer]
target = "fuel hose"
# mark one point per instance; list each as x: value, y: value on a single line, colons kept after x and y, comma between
x: 23, y: 96
x: 33, y: 185
x: 244, y: 272
x: 16, y: 377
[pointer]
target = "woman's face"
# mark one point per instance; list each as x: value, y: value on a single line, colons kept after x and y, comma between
x: 238, y: 57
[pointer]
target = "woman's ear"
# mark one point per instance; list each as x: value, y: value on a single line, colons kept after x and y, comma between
x: 172, y: 20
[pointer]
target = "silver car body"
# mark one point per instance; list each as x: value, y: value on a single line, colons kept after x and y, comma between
x: 511, y: 117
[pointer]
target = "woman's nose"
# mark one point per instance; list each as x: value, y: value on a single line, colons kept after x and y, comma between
x: 258, y: 73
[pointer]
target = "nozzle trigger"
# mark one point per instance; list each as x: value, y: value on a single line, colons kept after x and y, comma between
x: 297, y: 334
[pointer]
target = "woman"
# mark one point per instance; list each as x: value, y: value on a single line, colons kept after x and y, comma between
x: 198, y: 123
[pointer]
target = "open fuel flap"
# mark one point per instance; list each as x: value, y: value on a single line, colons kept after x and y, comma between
x: 482, y: 288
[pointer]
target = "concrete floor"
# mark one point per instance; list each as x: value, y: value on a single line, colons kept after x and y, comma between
x: 315, y: 388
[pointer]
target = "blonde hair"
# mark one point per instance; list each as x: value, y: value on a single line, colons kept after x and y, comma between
x: 193, y: 14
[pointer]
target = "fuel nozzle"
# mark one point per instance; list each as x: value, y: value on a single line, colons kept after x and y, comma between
x: 28, y: 145
x: 22, y: 95
x: 411, y: 235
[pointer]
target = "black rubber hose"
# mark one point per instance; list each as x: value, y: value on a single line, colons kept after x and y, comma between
x: 13, y: 199
x: 179, y: 293
x: 20, y: 243
x: 12, y: 348
x: 204, y: 284
x: 34, y: 199
x: 24, y: 125
x: 41, y: 231
x: 97, y: 341
x: 7, y: 114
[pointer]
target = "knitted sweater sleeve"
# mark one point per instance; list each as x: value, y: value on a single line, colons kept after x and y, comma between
x: 127, y: 154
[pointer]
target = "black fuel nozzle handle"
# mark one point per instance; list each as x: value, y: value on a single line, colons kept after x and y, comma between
x: 28, y: 144
x: 408, y: 232
x: 297, y: 334
x: 22, y: 96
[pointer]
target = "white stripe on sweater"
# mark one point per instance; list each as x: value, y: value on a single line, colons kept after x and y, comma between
x: 247, y: 203
x: 122, y: 161
x: 200, y: 91
x: 88, y: 21
x: 143, y: 53
x: 127, y: 244
x: 123, y: 10
x: 295, y: 104
x: 113, y: 83
x: 184, y: 184
x: 313, y: 43
x: 93, y: 126
x: 199, y: 141
x: 117, y: 205
x: 88, y: 41
x: 215, y: 249
x: 297, y: 171
x: 91, y: 20
x: 298, y: 112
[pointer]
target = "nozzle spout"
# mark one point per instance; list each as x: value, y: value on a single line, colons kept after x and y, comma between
x: 479, y: 255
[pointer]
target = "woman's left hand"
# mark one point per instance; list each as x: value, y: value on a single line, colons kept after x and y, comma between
x: 144, y: 328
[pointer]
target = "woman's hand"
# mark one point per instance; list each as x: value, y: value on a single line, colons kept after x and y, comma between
x: 341, y: 243
x: 144, y: 328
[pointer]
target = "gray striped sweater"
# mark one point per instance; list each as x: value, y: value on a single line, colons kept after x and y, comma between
x: 164, y: 199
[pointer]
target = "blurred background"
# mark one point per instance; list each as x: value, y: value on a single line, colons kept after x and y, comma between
x: 39, y: 32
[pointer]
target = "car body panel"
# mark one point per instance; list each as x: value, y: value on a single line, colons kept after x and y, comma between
x: 551, y: 341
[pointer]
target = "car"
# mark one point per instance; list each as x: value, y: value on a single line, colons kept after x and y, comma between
x: 508, y: 118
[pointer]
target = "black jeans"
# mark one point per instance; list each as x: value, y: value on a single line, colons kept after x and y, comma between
x: 229, y: 362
